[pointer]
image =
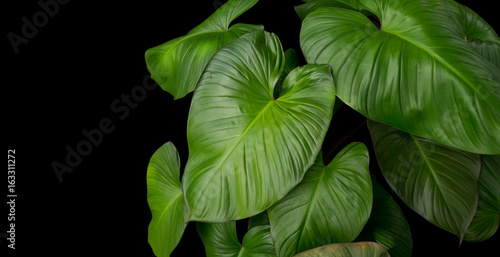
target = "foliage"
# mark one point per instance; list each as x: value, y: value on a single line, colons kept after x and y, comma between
x: 425, y: 74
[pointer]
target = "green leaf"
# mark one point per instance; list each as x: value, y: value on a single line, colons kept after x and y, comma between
x: 221, y: 240
x: 247, y: 149
x: 178, y: 64
x: 480, y: 36
x: 331, y: 204
x: 165, y: 201
x: 291, y: 62
x: 304, y: 9
x: 363, y: 249
x: 431, y: 69
x: 487, y: 218
x: 438, y: 182
x: 258, y: 220
x: 387, y: 224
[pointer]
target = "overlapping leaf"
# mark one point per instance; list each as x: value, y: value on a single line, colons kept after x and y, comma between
x: 387, y: 224
x: 438, y: 182
x: 487, y: 217
x: 331, y: 204
x: 165, y: 201
x: 248, y: 149
x: 221, y: 240
x: 363, y: 249
x: 478, y: 34
x: 431, y: 69
x: 291, y: 62
x: 258, y: 220
x: 178, y: 64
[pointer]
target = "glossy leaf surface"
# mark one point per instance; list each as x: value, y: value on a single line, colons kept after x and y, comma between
x: 387, y: 224
x: 363, y: 249
x: 222, y: 240
x: 165, y: 201
x: 247, y: 149
x: 178, y: 64
x: 487, y: 218
x: 431, y: 69
x: 331, y: 204
x: 438, y: 182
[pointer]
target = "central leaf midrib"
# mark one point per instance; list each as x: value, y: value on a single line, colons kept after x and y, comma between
x: 241, y: 137
x: 312, y: 204
x: 431, y: 170
x: 438, y: 59
x: 243, y: 134
x: 175, y: 198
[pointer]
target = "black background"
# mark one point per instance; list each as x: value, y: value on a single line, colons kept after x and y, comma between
x: 65, y: 79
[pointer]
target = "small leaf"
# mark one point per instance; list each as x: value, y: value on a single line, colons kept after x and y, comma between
x: 363, y: 249
x: 178, y: 64
x: 247, y: 149
x: 330, y: 205
x: 438, y: 182
x: 221, y: 240
x: 258, y: 242
x: 487, y: 218
x: 258, y: 220
x: 165, y: 201
x: 387, y: 224
x: 291, y: 62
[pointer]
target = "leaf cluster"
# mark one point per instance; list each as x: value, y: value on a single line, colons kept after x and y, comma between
x: 424, y: 73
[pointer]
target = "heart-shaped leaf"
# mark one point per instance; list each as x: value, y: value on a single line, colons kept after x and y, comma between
x: 331, y: 204
x: 165, y: 201
x: 387, y: 224
x: 178, y: 64
x: 487, y: 218
x: 431, y: 69
x: 247, y: 149
x: 221, y: 240
x: 438, y: 182
x: 363, y: 249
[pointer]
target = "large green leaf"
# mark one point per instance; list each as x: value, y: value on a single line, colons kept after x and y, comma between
x: 165, y: 201
x: 487, y: 218
x: 387, y: 224
x: 438, y: 182
x: 221, y: 240
x: 363, y: 249
x: 247, y: 149
x: 331, y: 204
x: 431, y: 69
x: 178, y: 64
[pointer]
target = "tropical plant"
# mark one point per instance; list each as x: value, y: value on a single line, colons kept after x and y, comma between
x: 424, y: 73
